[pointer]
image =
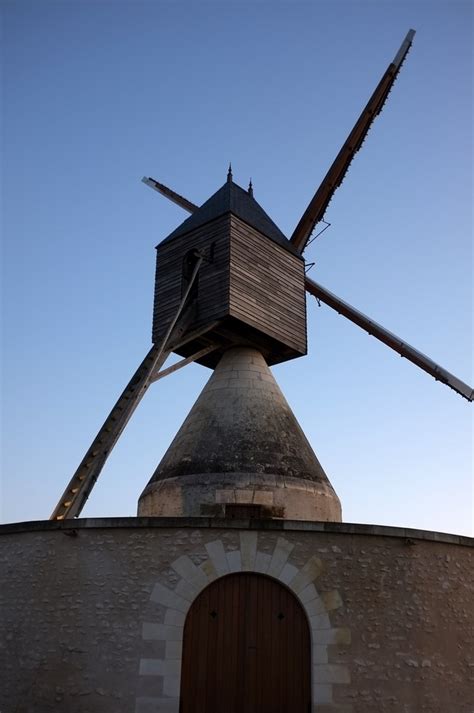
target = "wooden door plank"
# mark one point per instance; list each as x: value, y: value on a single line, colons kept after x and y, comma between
x: 246, y: 649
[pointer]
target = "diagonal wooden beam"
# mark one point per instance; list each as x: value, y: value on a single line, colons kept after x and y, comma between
x: 179, y: 338
x: 179, y: 365
x: 82, y: 482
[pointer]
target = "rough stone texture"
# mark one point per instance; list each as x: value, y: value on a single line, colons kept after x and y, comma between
x: 89, y: 625
x: 240, y: 443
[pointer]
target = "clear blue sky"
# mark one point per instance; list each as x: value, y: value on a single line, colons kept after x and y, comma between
x: 97, y: 94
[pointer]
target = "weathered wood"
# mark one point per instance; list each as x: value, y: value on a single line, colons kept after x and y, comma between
x: 259, y: 293
x: 178, y: 341
x: 267, y: 288
x: 276, y: 333
x: 390, y: 339
x: 212, y: 287
x: 334, y: 177
x: 180, y: 364
x: 250, y: 285
x: 241, y: 307
x: 246, y: 647
x: 82, y: 482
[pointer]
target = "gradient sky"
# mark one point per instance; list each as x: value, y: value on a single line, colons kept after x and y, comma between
x: 98, y: 94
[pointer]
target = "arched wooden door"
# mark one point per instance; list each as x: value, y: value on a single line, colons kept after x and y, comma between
x: 246, y: 649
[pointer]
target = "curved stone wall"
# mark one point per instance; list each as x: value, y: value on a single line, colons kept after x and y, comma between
x: 94, y: 611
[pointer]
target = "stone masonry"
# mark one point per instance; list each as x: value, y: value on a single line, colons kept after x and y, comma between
x: 241, y: 444
x: 93, y: 611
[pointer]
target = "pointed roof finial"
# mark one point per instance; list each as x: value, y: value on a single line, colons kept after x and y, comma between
x: 229, y: 174
x: 250, y: 188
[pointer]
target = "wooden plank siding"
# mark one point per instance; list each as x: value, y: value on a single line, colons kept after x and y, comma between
x: 246, y: 649
x: 251, y: 291
x: 213, y: 288
x: 267, y: 286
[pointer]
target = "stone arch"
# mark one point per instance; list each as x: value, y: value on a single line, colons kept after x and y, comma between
x: 247, y: 558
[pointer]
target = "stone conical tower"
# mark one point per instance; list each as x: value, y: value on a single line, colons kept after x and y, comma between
x: 241, y: 453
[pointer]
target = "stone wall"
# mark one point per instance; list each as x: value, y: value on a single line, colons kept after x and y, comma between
x: 93, y: 611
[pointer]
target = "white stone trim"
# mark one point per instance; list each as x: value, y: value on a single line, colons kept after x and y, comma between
x: 234, y: 559
x: 161, y: 632
x: 280, y: 555
x: 217, y: 554
x: 262, y: 562
x: 159, y: 667
x: 147, y: 704
x: 187, y: 570
x: 288, y: 573
x: 173, y: 650
x: 219, y: 563
x: 173, y: 617
x: 248, y: 549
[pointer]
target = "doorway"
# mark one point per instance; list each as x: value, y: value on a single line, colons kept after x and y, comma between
x: 246, y: 649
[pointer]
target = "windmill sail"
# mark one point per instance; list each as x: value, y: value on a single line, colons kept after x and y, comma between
x: 376, y: 330
x: 391, y: 340
x: 80, y: 486
x: 171, y: 195
x: 334, y: 177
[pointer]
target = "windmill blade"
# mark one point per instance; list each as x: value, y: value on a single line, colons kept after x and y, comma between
x: 334, y: 177
x: 82, y: 482
x: 174, y: 197
x: 344, y: 308
x: 391, y: 340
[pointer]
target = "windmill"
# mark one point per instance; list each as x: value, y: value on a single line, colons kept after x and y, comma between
x: 228, y: 278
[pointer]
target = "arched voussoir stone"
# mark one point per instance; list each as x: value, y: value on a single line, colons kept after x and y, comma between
x: 167, y: 634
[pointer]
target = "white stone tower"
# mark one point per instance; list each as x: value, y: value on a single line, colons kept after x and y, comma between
x: 241, y: 453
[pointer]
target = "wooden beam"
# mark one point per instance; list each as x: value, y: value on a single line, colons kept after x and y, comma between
x: 179, y: 340
x: 334, y: 177
x: 390, y: 339
x: 179, y: 365
x: 172, y: 195
x: 80, y: 486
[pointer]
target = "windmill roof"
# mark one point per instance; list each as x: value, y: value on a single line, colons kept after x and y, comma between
x: 231, y: 198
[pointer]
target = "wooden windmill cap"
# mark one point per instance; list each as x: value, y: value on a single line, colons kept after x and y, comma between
x: 241, y: 447
x: 231, y: 198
